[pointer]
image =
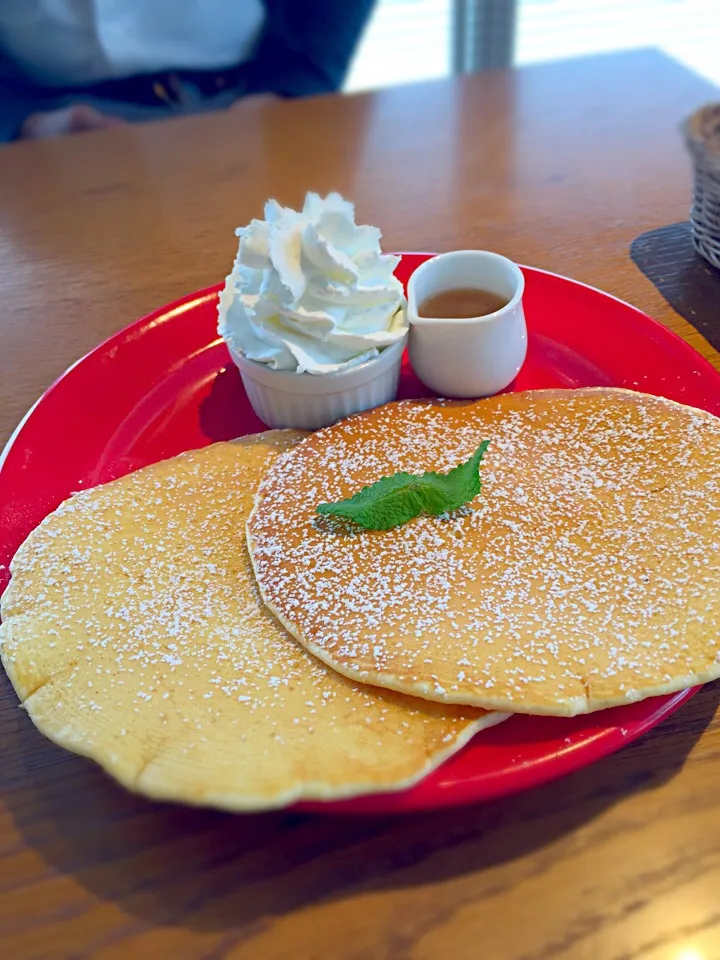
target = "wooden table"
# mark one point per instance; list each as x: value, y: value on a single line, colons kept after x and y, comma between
x: 559, y: 166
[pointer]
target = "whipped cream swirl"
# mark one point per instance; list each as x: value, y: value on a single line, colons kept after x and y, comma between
x: 311, y: 291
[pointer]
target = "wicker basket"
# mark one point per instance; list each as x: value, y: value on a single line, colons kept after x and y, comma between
x: 702, y: 135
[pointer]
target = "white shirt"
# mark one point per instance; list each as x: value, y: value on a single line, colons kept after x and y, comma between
x: 78, y: 42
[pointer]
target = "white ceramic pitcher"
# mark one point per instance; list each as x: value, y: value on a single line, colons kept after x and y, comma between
x: 468, y: 356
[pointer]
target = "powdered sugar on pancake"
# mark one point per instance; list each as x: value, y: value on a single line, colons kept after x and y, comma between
x: 587, y: 572
x: 134, y: 634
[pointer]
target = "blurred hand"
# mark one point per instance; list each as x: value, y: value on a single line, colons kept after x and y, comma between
x: 57, y: 123
x: 256, y: 99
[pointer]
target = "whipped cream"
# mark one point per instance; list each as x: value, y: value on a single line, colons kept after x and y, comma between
x: 311, y: 291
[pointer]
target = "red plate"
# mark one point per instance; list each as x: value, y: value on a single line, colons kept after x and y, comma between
x: 165, y: 384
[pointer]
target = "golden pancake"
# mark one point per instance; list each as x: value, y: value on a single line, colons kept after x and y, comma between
x: 585, y: 574
x: 134, y: 634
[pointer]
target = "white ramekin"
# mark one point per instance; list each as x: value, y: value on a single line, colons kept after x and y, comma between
x: 305, y: 401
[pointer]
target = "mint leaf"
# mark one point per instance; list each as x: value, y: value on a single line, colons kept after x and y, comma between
x: 394, y: 500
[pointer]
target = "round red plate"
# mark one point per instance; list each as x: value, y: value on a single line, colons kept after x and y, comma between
x: 166, y: 384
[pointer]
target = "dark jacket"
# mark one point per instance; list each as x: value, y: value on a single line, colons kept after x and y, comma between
x: 305, y: 48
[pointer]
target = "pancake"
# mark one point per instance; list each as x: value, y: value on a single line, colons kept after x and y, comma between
x: 586, y: 573
x: 134, y: 634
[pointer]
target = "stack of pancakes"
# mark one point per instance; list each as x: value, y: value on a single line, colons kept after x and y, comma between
x: 313, y: 659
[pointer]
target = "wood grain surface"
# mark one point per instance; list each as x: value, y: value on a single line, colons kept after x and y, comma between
x: 559, y: 166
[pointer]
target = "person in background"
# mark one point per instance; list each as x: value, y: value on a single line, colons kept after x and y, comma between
x: 72, y: 65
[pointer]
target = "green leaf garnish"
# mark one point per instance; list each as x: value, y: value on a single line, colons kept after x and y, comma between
x: 394, y: 500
